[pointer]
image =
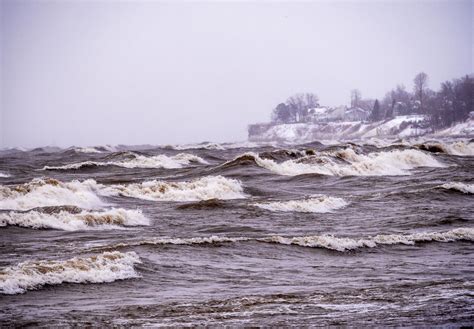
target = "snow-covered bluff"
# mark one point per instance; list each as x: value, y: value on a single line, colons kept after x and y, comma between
x: 400, y: 126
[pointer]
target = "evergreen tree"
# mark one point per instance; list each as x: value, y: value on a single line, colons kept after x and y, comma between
x: 376, y: 113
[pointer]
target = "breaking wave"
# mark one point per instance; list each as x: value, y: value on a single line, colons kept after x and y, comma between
x: 41, y: 192
x: 460, y: 187
x: 95, y: 149
x: 461, y: 148
x: 347, y: 162
x: 205, y: 188
x: 67, y: 219
x: 317, y: 204
x: 204, y: 146
x: 31, y: 275
x: 345, y: 244
x: 317, y: 241
x: 4, y: 175
x: 138, y: 161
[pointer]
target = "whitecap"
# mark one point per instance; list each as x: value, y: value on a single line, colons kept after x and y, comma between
x: 341, y: 244
x: 314, y: 204
x: 138, y: 161
x: 42, y: 192
x: 105, y: 267
x: 345, y: 244
x: 389, y: 163
x: 205, y: 188
x: 83, y: 220
x: 458, y: 186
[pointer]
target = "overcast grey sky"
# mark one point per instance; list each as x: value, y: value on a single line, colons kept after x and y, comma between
x: 108, y: 72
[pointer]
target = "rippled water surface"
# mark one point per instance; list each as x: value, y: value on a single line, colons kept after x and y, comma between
x: 347, y: 234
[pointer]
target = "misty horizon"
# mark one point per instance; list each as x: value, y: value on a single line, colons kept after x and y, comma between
x: 93, y: 73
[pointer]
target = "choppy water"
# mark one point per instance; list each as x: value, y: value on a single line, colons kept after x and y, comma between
x: 347, y: 234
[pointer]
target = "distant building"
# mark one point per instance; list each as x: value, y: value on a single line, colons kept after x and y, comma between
x: 338, y: 113
x: 356, y: 114
x: 325, y: 114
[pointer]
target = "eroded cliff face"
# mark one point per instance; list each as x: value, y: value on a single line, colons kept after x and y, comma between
x: 399, y: 127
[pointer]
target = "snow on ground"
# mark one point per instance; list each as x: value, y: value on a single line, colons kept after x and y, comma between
x: 401, y: 127
x: 463, y: 128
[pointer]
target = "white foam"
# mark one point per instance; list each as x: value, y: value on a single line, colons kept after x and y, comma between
x: 316, y: 241
x: 207, y: 146
x: 41, y: 192
x: 84, y: 220
x: 175, y: 241
x: 205, y: 188
x: 105, y: 267
x: 95, y: 149
x: 461, y: 148
x: 139, y: 161
x: 461, y: 187
x: 316, y: 204
x: 87, y: 150
x: 4, y: 175
x: 344, y: 244
x: 390, y: 163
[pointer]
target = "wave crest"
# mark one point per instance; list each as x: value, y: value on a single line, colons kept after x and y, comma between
x: 205, y: 188
x: 461, y: 148
x: 74, y: 220
x: 106, y: 267
x: 50, y: 192
x: 347, y: 162
x: 330, y: 242
x: 345, y: 244
x: 134, y: 160
x: 460, y: 187
x: 315, y: 204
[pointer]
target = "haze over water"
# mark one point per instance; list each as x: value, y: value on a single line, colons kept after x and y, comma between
x: 130, y: 197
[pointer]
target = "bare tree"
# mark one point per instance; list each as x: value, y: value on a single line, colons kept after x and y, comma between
x: 356, y: 97
x: 421, y: 84
x: 300, y: 103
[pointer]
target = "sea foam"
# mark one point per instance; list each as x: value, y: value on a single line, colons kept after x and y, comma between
x: 42, y: 192
x: 205, y: 188
x: 316, y: 204
x: 460, y: 187
x: 460, y: 148
x: 325, y: 241
x: 82, y: 220
x: 105, y: 267
x: 138, y: 161
x: 347, y: 162
x: 345, y: 244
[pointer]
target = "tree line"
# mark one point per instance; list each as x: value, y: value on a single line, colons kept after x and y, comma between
x: 449, y: 105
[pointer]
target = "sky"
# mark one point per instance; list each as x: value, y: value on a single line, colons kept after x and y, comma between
x: 149, y: 72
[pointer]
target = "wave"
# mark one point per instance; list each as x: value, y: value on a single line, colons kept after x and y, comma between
x: 42, y: 192
x: 316, y: 204
x: 95, y: 149
x: 205, y: 188
x: 316, y: 241
x: 74, y: 219
x: 460, y: 187
x: 31, y: 275
x: 346, y: 162
x: 461, y: 148
x: 345, y: 244
x: 4, y: 175
x: 204, y: 146
x: 138, y: 161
